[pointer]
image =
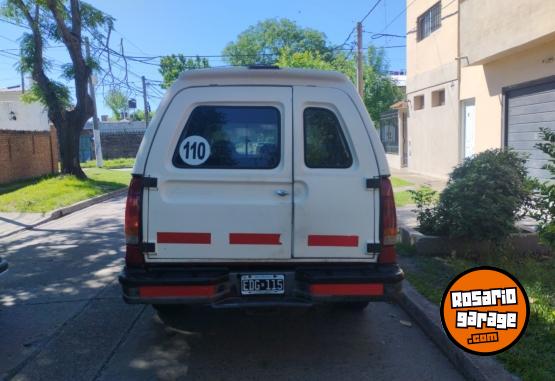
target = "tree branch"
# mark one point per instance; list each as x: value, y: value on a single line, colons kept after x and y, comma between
x: 72, y: 40
x: 43, y: 82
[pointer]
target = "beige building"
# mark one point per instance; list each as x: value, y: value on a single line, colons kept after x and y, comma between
x: 480, y: 74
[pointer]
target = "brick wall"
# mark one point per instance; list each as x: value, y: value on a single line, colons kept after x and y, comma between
x: 116, y: 145
x: 26, y: 154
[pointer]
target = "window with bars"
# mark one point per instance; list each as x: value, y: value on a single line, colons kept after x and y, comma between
x: 429, y: 21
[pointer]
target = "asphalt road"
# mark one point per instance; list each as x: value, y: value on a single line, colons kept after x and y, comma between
x: 62, y: 318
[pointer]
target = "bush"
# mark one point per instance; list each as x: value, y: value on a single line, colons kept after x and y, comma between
x: 482, y: 200
x: 426, y: 215
x: 543, y: 206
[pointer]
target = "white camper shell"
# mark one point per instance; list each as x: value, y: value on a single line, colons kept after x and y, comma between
x: 251, y: 181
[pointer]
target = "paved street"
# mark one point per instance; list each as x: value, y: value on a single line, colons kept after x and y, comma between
x: 62, y: 318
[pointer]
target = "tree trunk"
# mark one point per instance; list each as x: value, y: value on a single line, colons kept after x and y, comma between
x: 68, y: 138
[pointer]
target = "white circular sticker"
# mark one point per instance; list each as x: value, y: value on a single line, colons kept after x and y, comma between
x: 194, y: 150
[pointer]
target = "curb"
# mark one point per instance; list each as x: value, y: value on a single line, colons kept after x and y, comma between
x: 58, y: 213
x: 426, y: 314
x: 433, y: 245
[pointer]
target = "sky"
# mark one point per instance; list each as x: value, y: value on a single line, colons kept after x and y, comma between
x: 152, y: 28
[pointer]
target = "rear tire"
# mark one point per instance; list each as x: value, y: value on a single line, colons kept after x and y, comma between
x: 353, y: 306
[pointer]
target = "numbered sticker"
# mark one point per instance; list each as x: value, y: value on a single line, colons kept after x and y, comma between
x: 194, y: 150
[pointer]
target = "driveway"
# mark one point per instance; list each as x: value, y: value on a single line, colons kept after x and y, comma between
x: 62, y: 318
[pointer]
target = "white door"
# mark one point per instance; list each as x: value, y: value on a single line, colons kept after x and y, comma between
x: 469, y: 113
x: 222, y: 160
x: 335, y: 213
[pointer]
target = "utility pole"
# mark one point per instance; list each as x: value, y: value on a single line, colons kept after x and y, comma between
x: 360, y: 74
x: 96, y: 127
x: 145, y: 101
x: 22, y: 74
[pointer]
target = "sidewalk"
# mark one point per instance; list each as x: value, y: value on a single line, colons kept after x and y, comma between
x: 10, y: 222
x: 418, y: 180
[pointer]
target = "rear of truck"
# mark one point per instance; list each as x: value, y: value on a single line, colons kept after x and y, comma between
x: 257, y: 188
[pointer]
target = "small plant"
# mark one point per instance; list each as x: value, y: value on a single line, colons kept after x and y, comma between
x: 543, y: 205
x: 482, y: 199
x: 425, y: 199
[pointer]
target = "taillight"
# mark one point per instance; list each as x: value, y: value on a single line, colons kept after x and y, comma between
x: 388, y: 218
x: 133, y: 255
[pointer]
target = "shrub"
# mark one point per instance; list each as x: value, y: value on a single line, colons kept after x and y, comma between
x: 543, y: 206
x: 482, y: 200
x: 426, y: 214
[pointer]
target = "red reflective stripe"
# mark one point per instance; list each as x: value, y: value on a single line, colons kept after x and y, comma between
x: 254, y: 239
x: 356, y: 289
x: 173, y: 237
x: 333, y: 240
x: 175, y: 291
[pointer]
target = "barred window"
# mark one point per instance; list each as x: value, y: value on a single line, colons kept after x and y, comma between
x: 429, y: 21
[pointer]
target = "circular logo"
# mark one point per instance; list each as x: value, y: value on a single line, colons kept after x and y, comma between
x: 485, y: 310
x: 194, y: 150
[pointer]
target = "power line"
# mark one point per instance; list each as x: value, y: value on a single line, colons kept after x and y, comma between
x: 354, y: 28
x: 398, y: 15
x: 370, y: 11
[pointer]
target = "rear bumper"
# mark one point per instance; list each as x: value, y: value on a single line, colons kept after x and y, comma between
x: 220, y: 286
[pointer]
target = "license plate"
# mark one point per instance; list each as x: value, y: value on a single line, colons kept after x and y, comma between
x: 262, y: 284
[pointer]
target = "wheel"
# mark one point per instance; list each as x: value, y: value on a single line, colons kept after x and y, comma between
x: 353, y: 306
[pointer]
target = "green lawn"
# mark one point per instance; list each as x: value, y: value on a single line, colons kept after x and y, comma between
x: 52, y: 192
x: 397, y: 182
x: 532, y: 357
x: 124, y: 162
x: 403, y: 198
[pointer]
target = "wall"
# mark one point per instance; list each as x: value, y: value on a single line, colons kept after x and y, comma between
x: 493, y: 28
x: 432, y: 60
x: 433, y: 132
x: 485, y: 83
x: 119, y: 138
x: 28, y: 116
x: 116, y: 145
x: 26, y: 154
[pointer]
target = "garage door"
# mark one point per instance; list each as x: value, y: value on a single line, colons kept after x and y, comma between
x: 528, y: 110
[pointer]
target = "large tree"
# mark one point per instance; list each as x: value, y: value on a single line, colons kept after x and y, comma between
x: 66, y: 22
x: 379, y: 90
x: 171, y: 66
x: 262, y: 43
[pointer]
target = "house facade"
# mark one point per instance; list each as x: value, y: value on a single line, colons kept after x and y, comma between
x: 480, y: 75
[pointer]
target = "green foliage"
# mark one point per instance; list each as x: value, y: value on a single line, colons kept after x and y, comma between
x: 262, y: 43
x: 306, y: 60
x: 543, y: 207
x: 117, y: 101
x: 138, y: 115
x: 380, y: 92
x: 426, y: 213
x: 35, y: 94
x: 172, y: 66
x: 482, y: 200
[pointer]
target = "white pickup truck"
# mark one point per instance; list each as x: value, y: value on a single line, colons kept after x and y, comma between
x: 260, y: 186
